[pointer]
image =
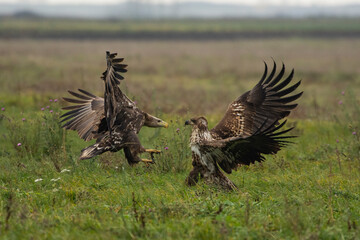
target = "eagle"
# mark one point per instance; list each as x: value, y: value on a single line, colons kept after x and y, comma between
x: 114, y: 121
x: 250, y: 128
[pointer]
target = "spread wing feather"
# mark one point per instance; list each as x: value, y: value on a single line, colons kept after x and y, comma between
x: 115, y: 100
x: 266, y: 102
x: 230, y: 152
x: 87, y: 118
x: 91, y: 116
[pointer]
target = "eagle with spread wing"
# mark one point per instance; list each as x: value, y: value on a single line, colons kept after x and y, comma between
x: 114, y: 121
x: 249, y: 129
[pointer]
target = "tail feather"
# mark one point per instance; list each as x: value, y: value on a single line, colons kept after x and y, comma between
x: 92, y: 151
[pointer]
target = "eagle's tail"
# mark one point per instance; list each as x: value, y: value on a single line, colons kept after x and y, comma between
x: 92, y: 151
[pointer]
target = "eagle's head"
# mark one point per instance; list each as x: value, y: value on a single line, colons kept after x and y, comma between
x: 200, y: 131
x: 198, y: 122
x: 151, y: 121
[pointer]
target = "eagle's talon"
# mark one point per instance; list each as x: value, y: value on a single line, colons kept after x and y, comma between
x: 152, y: 151
x: 147, y: 160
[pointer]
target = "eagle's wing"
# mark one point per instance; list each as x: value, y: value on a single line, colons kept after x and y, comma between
x: 114, y: 68
x: 267, y: 100
x: 115, y: 100
x: 230, y: 152
x: 87, y: 117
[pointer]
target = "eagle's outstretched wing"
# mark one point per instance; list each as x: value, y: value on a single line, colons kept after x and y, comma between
x: 230, y: 152
x: 268, y: 100
x: 114, y: 68
x: 87, y: 117
x: 115, y: 100
x: 93, y: 115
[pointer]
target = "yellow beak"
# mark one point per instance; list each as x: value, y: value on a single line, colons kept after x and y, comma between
x: 165, y: 124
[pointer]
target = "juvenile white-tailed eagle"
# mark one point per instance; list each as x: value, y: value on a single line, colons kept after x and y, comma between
x: 248, y: 130
x: 114, y: 121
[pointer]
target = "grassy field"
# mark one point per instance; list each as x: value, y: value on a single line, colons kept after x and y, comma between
x: 180, y: 28
x: 41, y: 25
x: 310, y: 190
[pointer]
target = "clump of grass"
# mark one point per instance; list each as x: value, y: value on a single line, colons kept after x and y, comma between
x: 176, y: 155
x: 348, y: 145
x: 9, y: 209
x: 38, y: 134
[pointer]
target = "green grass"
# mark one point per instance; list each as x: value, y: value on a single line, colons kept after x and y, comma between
x: 309, y: 190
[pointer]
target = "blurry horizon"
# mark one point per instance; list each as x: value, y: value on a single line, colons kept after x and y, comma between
x: 308, y: 3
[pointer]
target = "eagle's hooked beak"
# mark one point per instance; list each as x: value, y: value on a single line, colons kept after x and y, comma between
x: 164, y: 124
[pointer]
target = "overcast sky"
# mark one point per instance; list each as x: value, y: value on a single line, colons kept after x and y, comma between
x: 249, y: 2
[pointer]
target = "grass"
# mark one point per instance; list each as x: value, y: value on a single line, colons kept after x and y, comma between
x: 310, y: 190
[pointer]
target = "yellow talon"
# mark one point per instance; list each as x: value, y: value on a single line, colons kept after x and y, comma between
x: 152, y: 151
x: 147, y: 161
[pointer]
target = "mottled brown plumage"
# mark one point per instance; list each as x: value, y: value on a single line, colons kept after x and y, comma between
x: 114, y: 121
x: 249, y: 129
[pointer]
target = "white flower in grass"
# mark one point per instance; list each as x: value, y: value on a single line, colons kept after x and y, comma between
x: 55, y: 179
x: 65, y: 170
x: 38, y: 180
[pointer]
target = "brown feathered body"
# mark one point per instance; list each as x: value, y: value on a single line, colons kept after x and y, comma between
x: 114, y: 121
x: 249, y: 129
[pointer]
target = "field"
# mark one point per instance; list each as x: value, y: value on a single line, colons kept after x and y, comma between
x: 310, y: 190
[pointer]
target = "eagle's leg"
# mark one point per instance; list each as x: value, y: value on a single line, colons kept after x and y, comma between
x: 147, y: 160
x: 133, y: 150
x: 194, y: 176
x: 218, y: 178
x: 213, y: 176
x: 132, y: 155
x: 197, y: 172
x: 152, y: 151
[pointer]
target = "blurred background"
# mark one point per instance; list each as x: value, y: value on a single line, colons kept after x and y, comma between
x: 185, y: 57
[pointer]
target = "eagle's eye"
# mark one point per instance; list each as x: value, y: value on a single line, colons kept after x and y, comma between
x: 159, y: 120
